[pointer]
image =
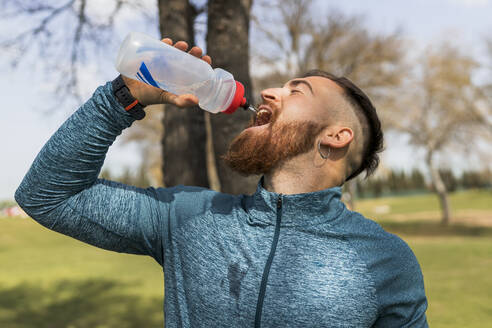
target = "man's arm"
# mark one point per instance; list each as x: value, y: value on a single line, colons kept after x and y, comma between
x: 400, y: 287
x: 61, y: 190
x: 395, y: 271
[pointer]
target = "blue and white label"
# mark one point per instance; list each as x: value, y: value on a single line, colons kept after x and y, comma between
x: 144, y: 75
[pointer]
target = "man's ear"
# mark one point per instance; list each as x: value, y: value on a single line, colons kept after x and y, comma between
x: 337, y: 137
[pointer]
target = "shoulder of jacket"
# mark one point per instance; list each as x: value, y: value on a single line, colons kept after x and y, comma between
x: 374, y: 244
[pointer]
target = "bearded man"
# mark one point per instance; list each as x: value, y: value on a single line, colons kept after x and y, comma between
x: 290, y: 255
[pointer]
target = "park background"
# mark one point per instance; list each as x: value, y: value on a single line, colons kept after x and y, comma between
x: 426, y: 65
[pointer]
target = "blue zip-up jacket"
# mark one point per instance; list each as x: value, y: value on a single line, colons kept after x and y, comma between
x: 265, y: 259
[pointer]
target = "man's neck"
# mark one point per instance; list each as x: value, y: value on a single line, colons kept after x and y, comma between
x: 300, y: 175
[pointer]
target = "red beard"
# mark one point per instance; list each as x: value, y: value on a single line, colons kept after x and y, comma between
x: 258, y: 152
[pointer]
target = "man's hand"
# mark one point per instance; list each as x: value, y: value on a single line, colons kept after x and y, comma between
x: 149, y: 95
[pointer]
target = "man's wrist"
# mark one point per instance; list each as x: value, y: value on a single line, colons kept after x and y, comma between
x: 126, y: 99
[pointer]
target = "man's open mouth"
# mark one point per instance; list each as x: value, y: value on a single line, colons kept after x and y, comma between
x: 263, y: 116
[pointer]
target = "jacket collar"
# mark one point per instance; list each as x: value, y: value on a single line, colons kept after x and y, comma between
x: 297, y: 209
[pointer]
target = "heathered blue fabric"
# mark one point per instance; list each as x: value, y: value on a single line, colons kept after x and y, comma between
x: 331, y: 268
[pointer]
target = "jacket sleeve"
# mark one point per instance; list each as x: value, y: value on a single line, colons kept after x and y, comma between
x: 61, y: 190
x: 400, y: 287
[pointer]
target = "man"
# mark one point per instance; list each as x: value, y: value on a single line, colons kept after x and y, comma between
x: 290, y: 255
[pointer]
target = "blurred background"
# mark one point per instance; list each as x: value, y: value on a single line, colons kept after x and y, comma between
x: 425, y: 64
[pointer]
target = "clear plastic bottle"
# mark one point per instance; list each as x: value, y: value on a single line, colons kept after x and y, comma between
x: 156, y: 63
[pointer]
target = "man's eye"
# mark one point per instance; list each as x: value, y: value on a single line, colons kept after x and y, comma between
x: 295, y: 91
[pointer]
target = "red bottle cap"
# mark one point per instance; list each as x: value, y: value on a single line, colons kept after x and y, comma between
x: 238, y: 99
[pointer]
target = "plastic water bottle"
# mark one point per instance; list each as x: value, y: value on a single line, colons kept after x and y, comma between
x: 154, y: 62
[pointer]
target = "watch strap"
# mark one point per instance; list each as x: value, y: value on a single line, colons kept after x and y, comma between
x: 125, y: 98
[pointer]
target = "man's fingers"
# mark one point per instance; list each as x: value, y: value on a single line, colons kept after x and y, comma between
x: 181, y: 45
x: 168, y: 41
x: 207, y: 59
x: 186, y: 100
x: 196, y: 51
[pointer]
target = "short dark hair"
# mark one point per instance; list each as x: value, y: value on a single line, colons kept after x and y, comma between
x: 368, y: 118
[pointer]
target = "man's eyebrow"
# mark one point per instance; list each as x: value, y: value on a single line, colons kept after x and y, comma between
x: 294, y: 83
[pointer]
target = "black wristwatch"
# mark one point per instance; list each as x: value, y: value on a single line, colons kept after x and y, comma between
x: 125, y: 98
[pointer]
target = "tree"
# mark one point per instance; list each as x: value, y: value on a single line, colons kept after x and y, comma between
x: 449, y: 180
x: 148, y: 134
x: 486, y: 108
x: 184, y: 137
x: 336, y: 43
x: 476, y: 179
x: 188, y: 153
x: 228, y: 45
x: 441, y: 111
x: 417, y: 180
x: 67, y: 50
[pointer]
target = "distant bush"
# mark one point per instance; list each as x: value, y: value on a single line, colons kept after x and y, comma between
x: 137, y: 177
x: 403, y: 183
x: 6, y: 204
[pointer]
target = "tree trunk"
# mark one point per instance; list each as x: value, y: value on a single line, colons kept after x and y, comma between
x: 228, y: 45
x: 443, y: 200
x: 440, y: 189
x: 184, y: 138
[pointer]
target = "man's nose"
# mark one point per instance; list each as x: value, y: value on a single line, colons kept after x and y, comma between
x: 270, y: 95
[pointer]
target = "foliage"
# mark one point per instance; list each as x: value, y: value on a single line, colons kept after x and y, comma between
x: 138, y: 178
x: 301, y: 39
x: 437, y: 103
x: 86, y: 303
x: 67, y: 35
x: 469, y: 204
x: 457, y: 279
x: 148, y: 134
x: 442, y: 112
x: 448, y: 179
x: 472, y: 179
x: 400, y: 182
x: 6, y: 204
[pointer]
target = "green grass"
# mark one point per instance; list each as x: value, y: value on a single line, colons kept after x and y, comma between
x: 390, y: 208
x: 49, y: 280
x: 457, y: 273
x: 456, y: 259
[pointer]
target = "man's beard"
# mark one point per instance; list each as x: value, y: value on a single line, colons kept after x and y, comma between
x: 258, y: 152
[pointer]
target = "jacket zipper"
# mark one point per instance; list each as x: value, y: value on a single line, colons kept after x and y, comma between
x: 266, y: 270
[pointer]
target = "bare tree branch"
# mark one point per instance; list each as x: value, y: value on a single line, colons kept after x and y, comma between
x: 62, y: 35
x: 20, y: 39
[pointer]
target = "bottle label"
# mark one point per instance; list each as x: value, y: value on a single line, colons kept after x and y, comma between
x: 144, y: 75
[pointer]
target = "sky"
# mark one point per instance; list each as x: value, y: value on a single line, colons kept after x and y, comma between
x: 26, y: 125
